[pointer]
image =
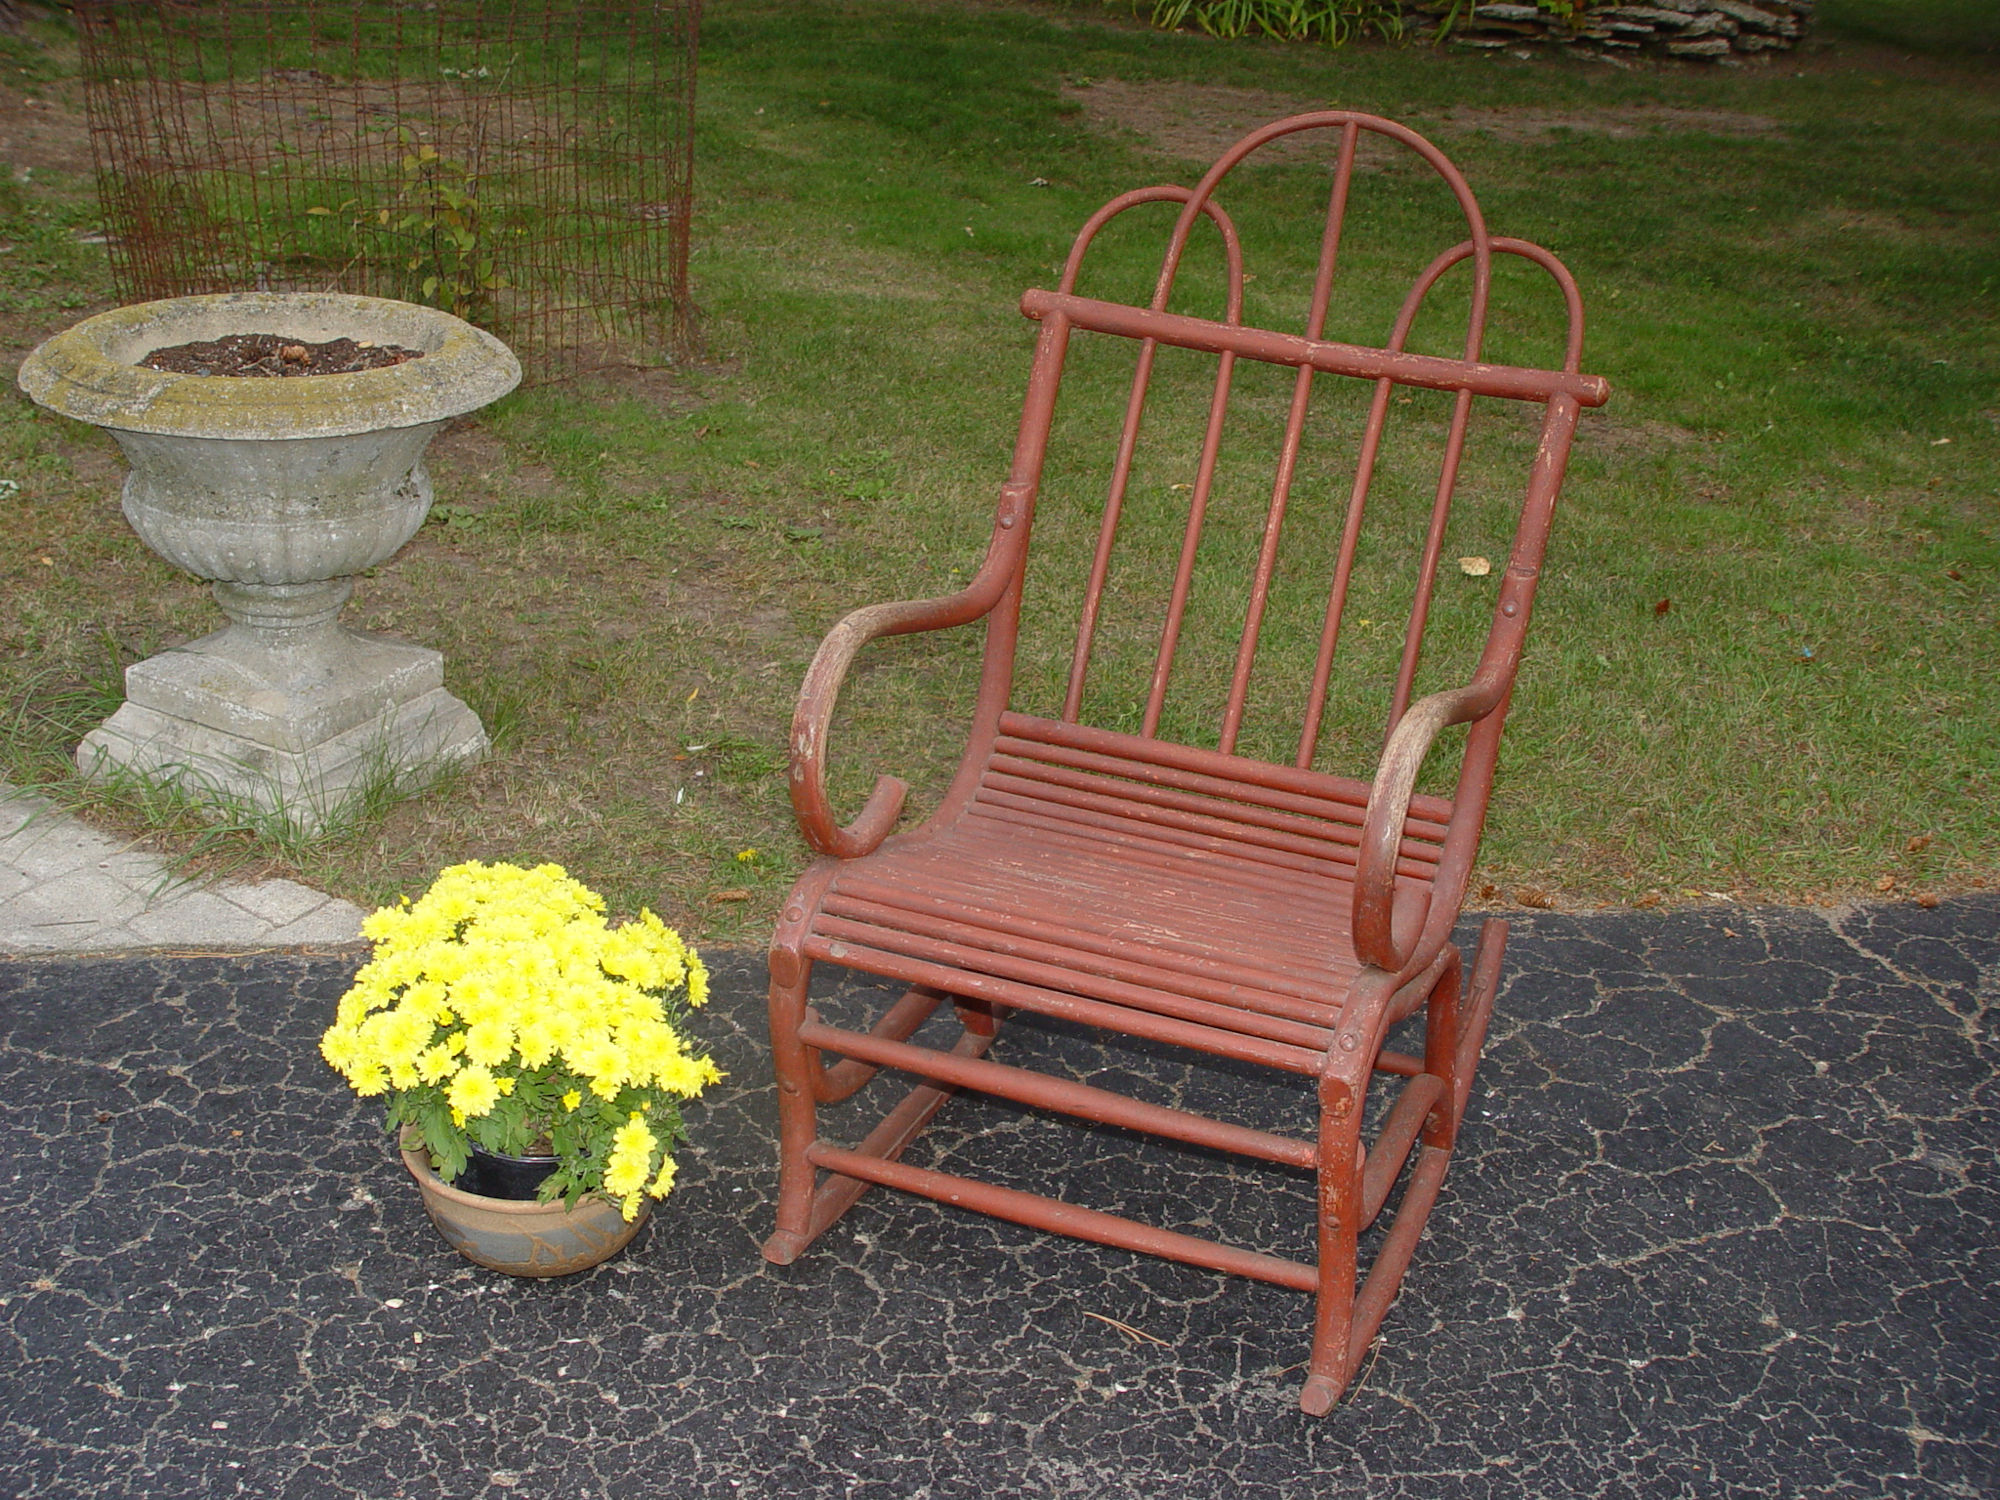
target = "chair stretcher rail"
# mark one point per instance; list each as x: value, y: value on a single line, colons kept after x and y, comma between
x: 1063, y: 1095
x: 1065, y: 1218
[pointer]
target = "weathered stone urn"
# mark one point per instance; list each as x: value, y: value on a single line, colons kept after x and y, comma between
x: 279, y: 490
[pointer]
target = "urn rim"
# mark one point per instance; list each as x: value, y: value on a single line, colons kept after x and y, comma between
x: 91, y: 372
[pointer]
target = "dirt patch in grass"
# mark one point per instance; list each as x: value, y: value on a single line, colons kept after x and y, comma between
x: 1618, y: 122
x: 663, y: 390
x: 1198, y: 122
x: 41, y: 134
x: 1605, y: 433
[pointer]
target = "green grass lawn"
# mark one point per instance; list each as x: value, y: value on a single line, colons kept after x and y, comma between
x: 1791, y: 277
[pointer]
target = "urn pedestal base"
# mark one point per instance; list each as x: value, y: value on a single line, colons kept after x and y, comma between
x: 302, y: 732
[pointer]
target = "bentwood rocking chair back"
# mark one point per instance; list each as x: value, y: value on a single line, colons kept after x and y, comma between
x: 1275, y: 914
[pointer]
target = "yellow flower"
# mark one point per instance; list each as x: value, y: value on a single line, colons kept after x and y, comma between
x: 664, y: 1180
x: 630, y: 1163
x: 489, y: 1041
x: 474, y: 1091
x: 342, y: 1049
x: 572, y: 1099
x: 436, y: 1064
x: 602, y: 1062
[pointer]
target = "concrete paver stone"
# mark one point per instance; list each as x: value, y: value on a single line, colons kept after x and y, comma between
x: 65, y: 888
x: 275, y: 901
x: 16, y: 808
x: 199, y: 917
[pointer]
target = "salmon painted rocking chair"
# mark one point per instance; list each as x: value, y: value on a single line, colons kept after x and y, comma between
x: 1268, y: 913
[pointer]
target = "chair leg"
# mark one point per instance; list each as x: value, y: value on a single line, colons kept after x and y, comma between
x: 1443, y: 1031
x: 807, y: 1207
x: 1346, y: 1319
x: 798, y: 1122
x: 1339, y: 1203
x: 1476, y: 1012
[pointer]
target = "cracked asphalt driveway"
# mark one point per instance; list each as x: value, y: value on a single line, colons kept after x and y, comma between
x: 1725, y: 1221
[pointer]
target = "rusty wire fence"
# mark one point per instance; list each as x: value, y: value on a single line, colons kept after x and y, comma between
x: 526, y: 164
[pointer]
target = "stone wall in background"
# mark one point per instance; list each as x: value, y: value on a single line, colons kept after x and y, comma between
x: 1701, y: 30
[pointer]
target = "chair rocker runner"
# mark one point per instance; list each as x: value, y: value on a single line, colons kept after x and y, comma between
x: 1266, y: 913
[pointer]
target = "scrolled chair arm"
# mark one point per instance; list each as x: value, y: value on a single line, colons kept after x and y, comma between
x: 812, y: 720
x: 1376, y: 942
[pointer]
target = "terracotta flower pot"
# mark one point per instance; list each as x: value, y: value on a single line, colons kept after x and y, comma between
x: 522, y: 1239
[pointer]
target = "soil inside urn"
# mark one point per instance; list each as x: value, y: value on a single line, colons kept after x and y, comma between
x: 274, y: 354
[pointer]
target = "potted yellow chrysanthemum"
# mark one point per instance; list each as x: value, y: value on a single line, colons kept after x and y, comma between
x: 531, y: 1059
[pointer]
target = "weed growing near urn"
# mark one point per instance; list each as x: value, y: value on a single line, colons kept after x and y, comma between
x: 501, y: 1010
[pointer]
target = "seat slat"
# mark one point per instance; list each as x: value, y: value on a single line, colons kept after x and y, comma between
x: 1146, y: 907
x: 1100, y: 860
x: 1201, y: 952
x: 1055, y: 970
x: 1162, y: 849
x: 1167, y: 849
x: 1344, y: 816
x: 1343, y: 836
x: 1233, y: 768
x: 1128, y: 820
x: 1048, y: 942
x: 1127, y: 1020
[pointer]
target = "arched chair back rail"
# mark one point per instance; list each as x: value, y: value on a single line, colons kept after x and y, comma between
x: 1252, y: 909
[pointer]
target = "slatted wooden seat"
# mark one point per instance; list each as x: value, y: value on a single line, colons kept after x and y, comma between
x: 1274, y: 914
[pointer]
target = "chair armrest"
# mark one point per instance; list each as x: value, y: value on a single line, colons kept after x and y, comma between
x: 1375, y: 938
x: 813, y: 718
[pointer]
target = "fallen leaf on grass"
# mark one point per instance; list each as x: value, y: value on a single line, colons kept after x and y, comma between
x: 1529, y: 895
x: 1663, y: 606
x: 1927, y: 899
x: 1474, y: 567
x: 1886, y: 883
x: 1918, y: 843
x: 734, y: 893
